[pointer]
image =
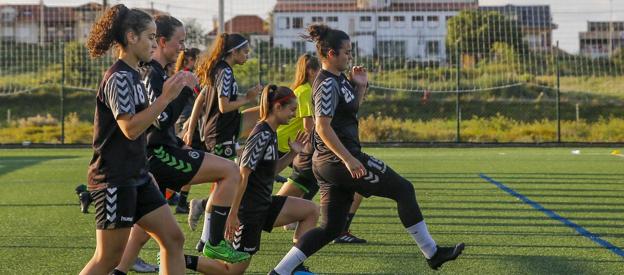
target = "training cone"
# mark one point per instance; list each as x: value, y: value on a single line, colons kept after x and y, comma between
x: 615, y: 152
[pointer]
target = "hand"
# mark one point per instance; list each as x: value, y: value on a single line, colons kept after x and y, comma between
x: 174, y: 85
x: 355, y: 167
x: 188, y: 138
x: 231, y: 226
x: 359, y: 76
x: 298, y: 144
x: 252, y: 94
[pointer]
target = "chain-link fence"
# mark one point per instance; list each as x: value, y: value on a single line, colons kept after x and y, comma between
x: 439, y: 70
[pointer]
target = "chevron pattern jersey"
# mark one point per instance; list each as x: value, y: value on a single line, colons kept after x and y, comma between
x: 259, y: 155
x: 116, y: 159
x: 334, y: 96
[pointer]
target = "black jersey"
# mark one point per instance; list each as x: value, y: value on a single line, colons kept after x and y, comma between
x: 220, y: 127
x: 334, y: 96
x: 260, y: 155
x: 303, y: 160
x: 117, y: 160
x: 162, y: 132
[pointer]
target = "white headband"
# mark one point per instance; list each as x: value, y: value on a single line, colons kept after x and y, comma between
x: 239, y: 45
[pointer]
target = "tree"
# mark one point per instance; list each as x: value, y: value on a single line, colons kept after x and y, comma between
x: 196, y: 36
x: 476, y: 31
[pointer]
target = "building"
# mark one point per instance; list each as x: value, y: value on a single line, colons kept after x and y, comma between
x: 602, y: 39
x: 535, y: 22
x: 251, y: 26
x: 36, y: 24
x: 412, y: 29
x: 25, y: 23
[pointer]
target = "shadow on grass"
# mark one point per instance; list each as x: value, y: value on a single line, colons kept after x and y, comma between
x: 10, y: 164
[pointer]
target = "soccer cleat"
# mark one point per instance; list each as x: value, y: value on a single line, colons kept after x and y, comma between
x: 273, y: 272
x: 141, y: 266
x: 225, y: 252
x: 200, y: 246
x: 195, y: 212
x: 347, y: 237
x: 445, y: 254
x: 302, y: 270
x: 182, y: 209
x: 85, y: 201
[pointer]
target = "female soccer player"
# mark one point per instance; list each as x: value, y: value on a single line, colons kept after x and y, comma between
x: 339, y: 164
x: 174, y: 164
x: 301, y: 182
x: 221, y: 119
x: 123, y: 190
x: 256, y: 208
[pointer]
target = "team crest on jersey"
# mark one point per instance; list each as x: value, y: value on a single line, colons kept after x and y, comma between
x: 345, y: 90
x: 193, y: 154
x: 228, y: 151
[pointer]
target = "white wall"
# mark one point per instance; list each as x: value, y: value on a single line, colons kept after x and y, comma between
x: 414, y: 34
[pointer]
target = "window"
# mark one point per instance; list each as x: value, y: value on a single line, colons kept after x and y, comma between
x: 399, y: 21
x: 433, y: 21
x: 283, y: 23
x: 299, y: 47
x: 297, y: 23
x: 384, y: 21
x: 448, y: 17
x: 418, y: 21
x: 366, y: 21
x: 391, y: 48
x: 433, y: 48
x: 317, y: 19
x: 332, y: 18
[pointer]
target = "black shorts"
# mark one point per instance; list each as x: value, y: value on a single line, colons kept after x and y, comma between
x: 122, y: 206
x: 174, y: 167
x: 304, y: 180
x: 247, y: 237
x: 226, y: 149
x: 335, y: 175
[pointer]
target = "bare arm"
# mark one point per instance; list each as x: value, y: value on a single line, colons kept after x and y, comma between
x: 308, y: 124
x: 232, y: 221
x: 192, y: 121
x: 133, y: 125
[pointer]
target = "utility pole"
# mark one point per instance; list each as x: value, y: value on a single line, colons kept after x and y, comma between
x: 221, y: 17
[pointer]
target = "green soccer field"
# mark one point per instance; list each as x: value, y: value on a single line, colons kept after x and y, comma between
x: 519, y: 211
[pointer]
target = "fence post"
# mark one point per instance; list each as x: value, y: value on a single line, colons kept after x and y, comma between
x: 457, y: 106
x: 63, y: 93
x: 259, y: 46
x: 558, y: 106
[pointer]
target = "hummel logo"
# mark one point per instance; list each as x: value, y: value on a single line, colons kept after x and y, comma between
x: 126, y: 219
x: 248, y: 249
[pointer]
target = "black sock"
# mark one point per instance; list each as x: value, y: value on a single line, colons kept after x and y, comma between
x: 349, y: 220
x: 183, y: 197
x: 191, y: 262
x: 218, y: 217
x: 117, y: 272
x: 204, y: 203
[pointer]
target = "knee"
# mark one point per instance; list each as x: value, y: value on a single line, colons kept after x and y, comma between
x: 111, y: 259
x: 174, y: 240
x: 404, y: 191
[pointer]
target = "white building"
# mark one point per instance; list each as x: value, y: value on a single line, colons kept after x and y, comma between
x: 414, y: 29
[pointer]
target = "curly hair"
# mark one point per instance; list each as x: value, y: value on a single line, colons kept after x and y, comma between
x: 112, y: 26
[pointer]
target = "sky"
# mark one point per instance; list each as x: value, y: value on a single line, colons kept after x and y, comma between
x: 571, y: 16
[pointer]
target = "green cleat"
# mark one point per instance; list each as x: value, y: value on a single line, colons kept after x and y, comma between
x: 224, y: 251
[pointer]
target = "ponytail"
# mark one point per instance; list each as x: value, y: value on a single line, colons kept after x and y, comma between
x: 111, y: 28
x: 223, y: 46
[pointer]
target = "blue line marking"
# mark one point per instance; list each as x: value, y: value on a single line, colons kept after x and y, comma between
x: 584, y: 232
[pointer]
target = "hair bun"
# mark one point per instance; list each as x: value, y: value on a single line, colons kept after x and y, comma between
x: 318, y: 32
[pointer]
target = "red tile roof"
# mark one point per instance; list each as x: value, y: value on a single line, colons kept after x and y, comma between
x: 244, y: 24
